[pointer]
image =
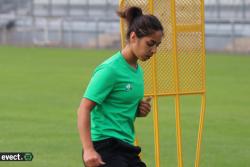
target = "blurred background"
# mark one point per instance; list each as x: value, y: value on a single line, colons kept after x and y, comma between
x: 94, y: 24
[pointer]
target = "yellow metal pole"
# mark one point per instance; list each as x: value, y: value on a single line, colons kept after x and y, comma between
x: 178, y: 130
x: 203, y: 99
x: 155, y: 103
x: 156, y: 131
x: 123, y: 38
x: 177, y: 96
x: 201, y: 123
x: 203, y: 44
x: 151, y: 6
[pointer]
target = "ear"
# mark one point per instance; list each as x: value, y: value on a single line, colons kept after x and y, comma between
x: 132, y: 37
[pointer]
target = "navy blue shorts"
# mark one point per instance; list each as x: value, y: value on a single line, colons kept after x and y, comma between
x: 116, y: 153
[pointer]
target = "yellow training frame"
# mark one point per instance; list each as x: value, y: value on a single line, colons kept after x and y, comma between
x: 179, y: 67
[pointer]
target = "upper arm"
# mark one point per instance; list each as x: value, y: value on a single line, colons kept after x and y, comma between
x: 100, y: 85
x: 86, y: 104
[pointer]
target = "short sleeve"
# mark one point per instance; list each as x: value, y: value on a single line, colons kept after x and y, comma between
x: 100, y: 85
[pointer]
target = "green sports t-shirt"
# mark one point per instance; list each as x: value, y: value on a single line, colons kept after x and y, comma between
x: 117, y: 89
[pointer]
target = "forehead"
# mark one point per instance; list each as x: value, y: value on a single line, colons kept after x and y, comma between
x: 156, y: 36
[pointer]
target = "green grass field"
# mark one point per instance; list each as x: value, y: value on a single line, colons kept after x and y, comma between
x: 40, y: 90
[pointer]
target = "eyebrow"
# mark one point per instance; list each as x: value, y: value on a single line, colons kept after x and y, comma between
x: 157, y: 43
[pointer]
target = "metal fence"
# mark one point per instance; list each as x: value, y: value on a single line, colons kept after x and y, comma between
x: 94, y: 24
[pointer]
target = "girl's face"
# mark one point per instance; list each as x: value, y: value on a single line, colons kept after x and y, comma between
x: 144, y: 48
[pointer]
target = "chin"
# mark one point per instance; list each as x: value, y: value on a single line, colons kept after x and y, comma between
x: 147, y: 58
x: 143, y: 59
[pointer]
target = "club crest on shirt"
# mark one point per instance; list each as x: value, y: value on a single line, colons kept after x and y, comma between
x: 128, y: 87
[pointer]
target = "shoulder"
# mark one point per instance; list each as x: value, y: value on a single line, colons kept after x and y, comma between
x: 109, y: 65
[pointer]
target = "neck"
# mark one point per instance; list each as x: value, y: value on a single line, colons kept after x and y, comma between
x: 129, y: 56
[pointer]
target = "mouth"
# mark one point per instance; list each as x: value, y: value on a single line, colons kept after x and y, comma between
x: 148, y: 56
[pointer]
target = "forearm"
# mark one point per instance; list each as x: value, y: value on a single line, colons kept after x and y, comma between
x: 84, y: 128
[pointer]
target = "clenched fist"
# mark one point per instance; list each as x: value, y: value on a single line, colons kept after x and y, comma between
x: 144, y: 107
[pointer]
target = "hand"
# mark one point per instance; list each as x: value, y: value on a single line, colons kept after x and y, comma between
x: 144, y: 107
x: 92, y: 158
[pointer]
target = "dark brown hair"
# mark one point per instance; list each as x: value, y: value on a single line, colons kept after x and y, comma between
x: 141, y: 24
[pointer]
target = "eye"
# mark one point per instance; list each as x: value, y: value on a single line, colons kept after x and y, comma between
x: 150, y: 44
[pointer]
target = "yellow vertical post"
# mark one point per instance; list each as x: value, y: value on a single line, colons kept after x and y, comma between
x: 155, y: 103
x: 176, y: 77
x: 178, y: 130
x: 203, y: 98
x: 156, y: 131
x: 201, y: 123
x: 123, y: 39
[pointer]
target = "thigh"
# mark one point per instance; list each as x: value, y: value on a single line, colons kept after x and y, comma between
x: 116, y: 161
x: 107, y: 148
x: 110, y: 153
x: 131, y: 153
x: 136, y: 162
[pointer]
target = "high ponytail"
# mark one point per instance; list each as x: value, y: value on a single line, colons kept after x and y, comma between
x: 142, y: 25
x: 130, y: 14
